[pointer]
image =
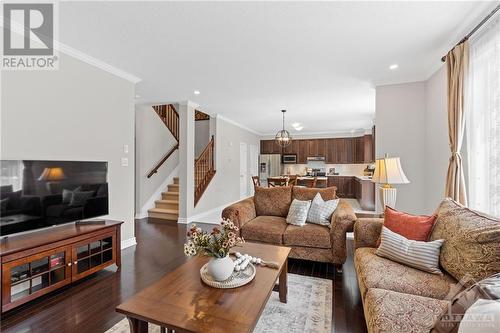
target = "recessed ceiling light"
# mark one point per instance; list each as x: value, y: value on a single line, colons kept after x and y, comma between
x: 196, y: 92
x: 393, y: 66
x: 297, y: 126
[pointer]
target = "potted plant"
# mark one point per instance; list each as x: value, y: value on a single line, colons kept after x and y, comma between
x: 216, y: 245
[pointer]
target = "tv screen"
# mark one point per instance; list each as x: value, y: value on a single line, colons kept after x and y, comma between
x: 38, y: 194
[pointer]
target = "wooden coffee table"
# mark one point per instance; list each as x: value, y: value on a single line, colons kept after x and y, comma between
x: 180, y: 301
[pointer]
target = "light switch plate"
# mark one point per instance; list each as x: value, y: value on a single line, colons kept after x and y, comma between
x: 125, y: 149
x: 124, y: 161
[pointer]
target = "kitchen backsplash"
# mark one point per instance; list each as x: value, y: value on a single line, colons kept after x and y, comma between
x: 342, y: 169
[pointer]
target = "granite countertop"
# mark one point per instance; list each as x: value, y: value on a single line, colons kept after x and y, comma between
x: 355, y: 176
x: 326, y: 177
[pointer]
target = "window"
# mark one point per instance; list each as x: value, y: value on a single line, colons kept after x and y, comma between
x: 483, y: 119
x: 11, y: 173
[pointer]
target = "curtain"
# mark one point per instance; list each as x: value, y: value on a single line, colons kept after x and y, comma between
x: 483, y: 119
x: 457, y: 66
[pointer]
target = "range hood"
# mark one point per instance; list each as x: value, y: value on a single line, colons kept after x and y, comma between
x: 316, y: 158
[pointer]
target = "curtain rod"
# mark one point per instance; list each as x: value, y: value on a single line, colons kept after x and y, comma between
x: 476, y: 28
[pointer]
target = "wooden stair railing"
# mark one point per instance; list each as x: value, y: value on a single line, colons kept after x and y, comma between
x: 204, y: 170
x: 163, y: 160
x: 169, y: 116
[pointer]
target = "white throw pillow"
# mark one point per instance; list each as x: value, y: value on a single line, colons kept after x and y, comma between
x: 416, y: 254
x: 297, y: 214
x: 321, y: 211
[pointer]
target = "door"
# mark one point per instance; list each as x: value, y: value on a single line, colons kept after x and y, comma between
x: 253, y: 166
x: 243, y: 170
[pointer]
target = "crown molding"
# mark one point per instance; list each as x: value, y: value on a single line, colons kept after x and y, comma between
x: 82, y: 56
x: 325, y: 134
x: 219, y: 116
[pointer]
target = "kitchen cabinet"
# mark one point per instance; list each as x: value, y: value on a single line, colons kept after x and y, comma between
x: 303, y: 151
x: 357, y: 189
x: 316, y: 147
x: 292, y: 148
x: 345, y: 185
x: 329, y: 151
x: 344, y: 150
x: 369, y: 148
x: 363, y: 149
x: 269, y: 147
x: 359, y: 150
x: 335, y: 150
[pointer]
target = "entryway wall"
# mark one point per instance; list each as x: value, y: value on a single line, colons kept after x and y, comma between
x: 224, y: 187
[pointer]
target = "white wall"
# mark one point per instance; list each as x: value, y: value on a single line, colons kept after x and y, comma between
x: 152, y: 140
x: 400, y: 131
x: 201, y: 136
x: 78, y: 112
x: 224, y: 187
x: 437, y: 151
x: 412, y: 122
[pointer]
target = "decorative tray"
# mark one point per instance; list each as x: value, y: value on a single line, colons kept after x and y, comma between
x: 237, y: 279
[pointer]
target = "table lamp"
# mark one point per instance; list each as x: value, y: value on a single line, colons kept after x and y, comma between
x: 388, y: 171
x: 52, y: 176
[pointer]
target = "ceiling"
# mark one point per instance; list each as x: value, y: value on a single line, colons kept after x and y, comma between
x: 320, y: 61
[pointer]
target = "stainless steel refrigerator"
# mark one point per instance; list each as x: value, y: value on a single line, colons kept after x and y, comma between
x: 269, y: 166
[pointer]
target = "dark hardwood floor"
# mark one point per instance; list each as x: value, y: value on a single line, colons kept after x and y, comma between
x: 89, y: 305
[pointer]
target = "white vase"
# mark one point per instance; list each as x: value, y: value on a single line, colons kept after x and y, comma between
x: 220, y: 268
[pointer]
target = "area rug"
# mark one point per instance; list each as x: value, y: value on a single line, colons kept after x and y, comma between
x: 308, y: 310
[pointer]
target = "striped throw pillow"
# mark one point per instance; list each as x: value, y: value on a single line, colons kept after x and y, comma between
x: 416, y: 254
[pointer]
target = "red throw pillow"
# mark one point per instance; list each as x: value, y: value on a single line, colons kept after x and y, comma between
x: 414, y: 227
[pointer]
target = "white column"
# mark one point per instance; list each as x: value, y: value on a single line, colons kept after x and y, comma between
x: 186, y: 159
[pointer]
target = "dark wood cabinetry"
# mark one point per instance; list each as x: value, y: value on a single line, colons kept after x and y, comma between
x: 303, y: 151
x: 335, y: 150
x: 316, y: 147
x: 269, y: 147
x: 345, y: 185
x: 292, y: 148
x: 37, y: 263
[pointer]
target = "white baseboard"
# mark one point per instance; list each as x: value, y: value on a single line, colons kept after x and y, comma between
x: 128, y: 242
x: 141, y: 215
x: 157, y: 194
x: 194, y: 218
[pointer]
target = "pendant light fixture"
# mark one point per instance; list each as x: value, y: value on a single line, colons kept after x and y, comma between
x: 283, y: 137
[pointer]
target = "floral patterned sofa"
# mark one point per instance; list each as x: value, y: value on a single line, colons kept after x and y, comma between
x: 398, y: 298
x: 262, y: 218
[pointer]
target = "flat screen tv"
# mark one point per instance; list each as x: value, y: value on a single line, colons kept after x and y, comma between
x: 39, y: 194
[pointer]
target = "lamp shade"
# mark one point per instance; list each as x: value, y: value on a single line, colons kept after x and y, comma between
x: 52, y: 174
x: 388, y: 170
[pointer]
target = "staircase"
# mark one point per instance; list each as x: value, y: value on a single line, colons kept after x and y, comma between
x: 204, y: 170
x: 167, y: 208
